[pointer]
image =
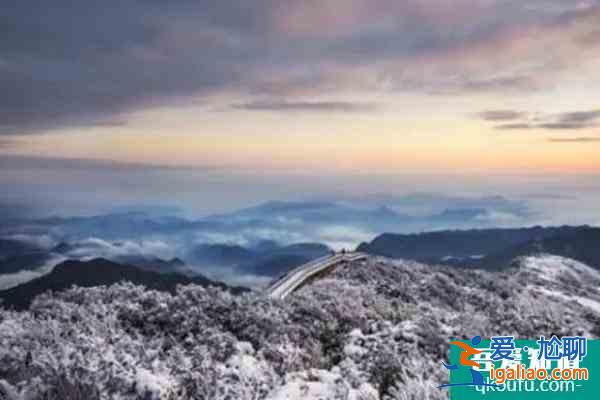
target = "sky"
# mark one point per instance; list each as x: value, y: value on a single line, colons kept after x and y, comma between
x: 238, y: 92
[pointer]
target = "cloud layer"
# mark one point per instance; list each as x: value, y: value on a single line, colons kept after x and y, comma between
x: 89, y: 63
x: 521, y: 120
x: 575, y: 140
x: 307, y: 106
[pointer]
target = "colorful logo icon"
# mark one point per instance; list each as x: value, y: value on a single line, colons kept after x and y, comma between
x: 466, y: 352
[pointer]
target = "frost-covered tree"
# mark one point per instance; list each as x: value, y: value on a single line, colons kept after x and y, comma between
x: 368, y: 331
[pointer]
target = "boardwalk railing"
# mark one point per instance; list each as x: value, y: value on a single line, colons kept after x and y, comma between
x: 298, y: 276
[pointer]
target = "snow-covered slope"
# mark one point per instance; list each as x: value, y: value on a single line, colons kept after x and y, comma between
x: 559, y: 277
x: 371, y: 330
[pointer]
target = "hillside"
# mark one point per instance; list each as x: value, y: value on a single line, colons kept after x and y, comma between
x: 24, y: 262
x: 582, y: 245
x: 489, y: 248
x: 371, y: 330
x: 98, y: 272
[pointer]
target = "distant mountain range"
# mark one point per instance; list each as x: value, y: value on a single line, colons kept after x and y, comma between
x: 142, y: 261
x: 382, y: 213
x: 28, y: 261
x: 98, y: 272
x: 489, y: 248
x: 376, y: 217
x: 29, y: 258
x: 23, y: 262
x: 247, y: 246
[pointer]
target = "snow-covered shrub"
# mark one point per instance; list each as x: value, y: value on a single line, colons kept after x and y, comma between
x: 375, y: 330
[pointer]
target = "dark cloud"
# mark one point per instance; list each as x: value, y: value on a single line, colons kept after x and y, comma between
x: 564, y: 126
x: 305, y: 106
x: 6, y: 144
x: 85, y: 63
x: 521, y: 120
x: 580, y: 117
x: 510, y: 127
x: 504, y: 84
x: 572, y: 120
x: 501, y: 115
x: 108, y: 123
x: 88, y: 63
x: 575, y: 140
x: 590, y: 38
x: 20, y: 162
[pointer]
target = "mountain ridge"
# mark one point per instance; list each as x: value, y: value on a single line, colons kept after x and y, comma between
x: 489, y: 248
x: 99, y: 272
x: 369, y: 330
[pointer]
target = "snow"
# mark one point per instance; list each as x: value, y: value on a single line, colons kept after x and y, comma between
x: 593, y: 304
x: 552, y: 267
x: 376, y: 325
x: 321, y: 384
x: 153, y: 384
